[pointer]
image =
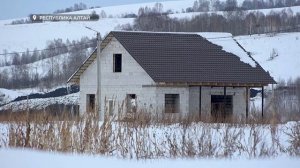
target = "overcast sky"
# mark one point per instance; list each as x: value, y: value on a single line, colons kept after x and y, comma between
x: 10, y: 9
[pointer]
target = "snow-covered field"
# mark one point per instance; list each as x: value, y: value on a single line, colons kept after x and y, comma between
x: 119, y: 10
x: 286, y: 46
x: 29, y: 36
x: 290, y: 10
x: 207, y: 144
x: 7, y: 95
x: 20, y: 37
x: 16, y: 158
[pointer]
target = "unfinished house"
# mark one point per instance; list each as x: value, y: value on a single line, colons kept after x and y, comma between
x: 206, y: 74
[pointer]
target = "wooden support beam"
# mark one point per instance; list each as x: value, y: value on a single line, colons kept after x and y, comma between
x: 224, y: 102
x: 200, y: 101
x: 262, y: 101
x: 247, y: 101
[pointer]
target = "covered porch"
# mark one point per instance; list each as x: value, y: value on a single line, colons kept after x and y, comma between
x: 219, y: 100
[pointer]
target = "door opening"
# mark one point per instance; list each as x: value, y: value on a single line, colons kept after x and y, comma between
x: 221, y: 106
x: 90, y: 103
x: 131, y: 103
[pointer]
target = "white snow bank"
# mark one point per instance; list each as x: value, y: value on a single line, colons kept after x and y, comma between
x: 41, y: 103
x: 15, y: 158
x: 7, y: 95
x: 226, y: 41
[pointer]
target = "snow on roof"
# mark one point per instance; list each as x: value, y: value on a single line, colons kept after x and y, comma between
x: 226, y: 41
x: 286, y: 63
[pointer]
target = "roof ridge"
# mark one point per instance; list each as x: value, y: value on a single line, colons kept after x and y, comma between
x: 182, y: 33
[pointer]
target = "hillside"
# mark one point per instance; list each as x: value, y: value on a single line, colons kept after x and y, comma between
x: 277, y: 53
x: 293, y: 10
x: 30, y: 36
x: 16, y: 37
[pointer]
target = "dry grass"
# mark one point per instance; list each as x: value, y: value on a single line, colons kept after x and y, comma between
x: 150, y: 135
x: 142, y: 136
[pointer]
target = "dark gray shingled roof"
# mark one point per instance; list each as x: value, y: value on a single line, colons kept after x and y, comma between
x: 188, y: 58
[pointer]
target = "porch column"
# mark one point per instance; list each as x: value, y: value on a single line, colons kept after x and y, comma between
x: 262, y: 101
x: 247, y: 101
x: 224, y: 102
x: 200, y: 101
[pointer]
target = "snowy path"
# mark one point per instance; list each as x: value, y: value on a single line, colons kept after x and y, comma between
x: 16, y: 158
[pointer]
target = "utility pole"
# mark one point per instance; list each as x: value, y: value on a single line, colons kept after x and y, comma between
x: 250, y: 25
x: 101, y: 116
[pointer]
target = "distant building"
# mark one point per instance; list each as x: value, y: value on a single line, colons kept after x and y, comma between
x: 168, y: 73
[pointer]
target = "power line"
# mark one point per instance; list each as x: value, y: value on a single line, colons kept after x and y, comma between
x: 219, y: 37
x: 211, y: 38
x: 249, y: 36
x: 46, y: 49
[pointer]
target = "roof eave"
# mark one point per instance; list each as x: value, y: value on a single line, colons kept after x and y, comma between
x: 75, y: 77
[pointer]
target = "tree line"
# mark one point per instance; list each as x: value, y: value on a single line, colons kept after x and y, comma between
x: 236, y: 22
x: 231, y: 5
x: 24, y: 75
x: 75, y: 7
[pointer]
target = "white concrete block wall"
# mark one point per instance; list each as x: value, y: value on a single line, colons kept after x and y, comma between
x: 116, y: 85
x: 88, y: 85
x: 206, y: 101
x: 183, y: 98
x: 239, y: 101
x: 194, y: 100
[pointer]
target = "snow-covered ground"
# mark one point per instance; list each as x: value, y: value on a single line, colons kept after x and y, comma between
x: 119, y: 10
x: 291, y: 10
x: 29, y: 36
x: 41, y: 103
x: 7, y: 95
x: 16, y: 158
x: 247, y: 145
x: 286, y: 46
x: 20, y: 37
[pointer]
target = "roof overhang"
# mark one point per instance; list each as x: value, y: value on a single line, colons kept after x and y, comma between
x: 208, y: 84
x: 75, y: 78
